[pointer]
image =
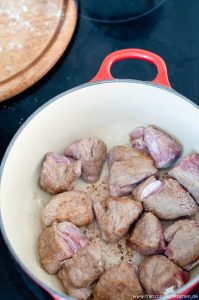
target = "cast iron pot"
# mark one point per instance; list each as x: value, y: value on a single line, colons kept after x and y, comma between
x: 105, y: 107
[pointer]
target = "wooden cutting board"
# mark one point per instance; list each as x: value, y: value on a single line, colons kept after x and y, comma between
x: 33, y: 36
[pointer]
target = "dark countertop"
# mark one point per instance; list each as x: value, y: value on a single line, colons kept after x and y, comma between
x: 171, y: 32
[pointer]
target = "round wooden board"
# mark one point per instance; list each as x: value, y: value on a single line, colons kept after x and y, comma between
x: 33, y: 36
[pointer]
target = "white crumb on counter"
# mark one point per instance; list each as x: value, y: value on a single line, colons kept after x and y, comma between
x: 15, y: 45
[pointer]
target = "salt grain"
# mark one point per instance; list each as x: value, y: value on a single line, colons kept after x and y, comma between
x: 24, y: 8
x: 8, y: 68
x: 14, y: 45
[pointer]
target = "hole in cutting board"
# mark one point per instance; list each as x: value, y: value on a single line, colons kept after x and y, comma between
x: 134, y: 69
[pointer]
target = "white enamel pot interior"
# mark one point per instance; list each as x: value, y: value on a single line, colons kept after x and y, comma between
x: 107, y: 109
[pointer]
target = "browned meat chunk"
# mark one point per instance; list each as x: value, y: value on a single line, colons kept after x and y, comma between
x: 120, y: 153
x: 58, y: 172
x: 147, y: 187
x: 80, y: 294
x: 125, y: 175
x: 57, y: 243
x: 187, y: 173
x: 73, y: 206
x: 183, y: 247
x: 164, y: 150
x: 81, y: 271
x: 92, y: 152
x: 166, y: 199
x: 159, y: 276
x: 137, y: 139
x: 147, y: 236
x: 115, y: 216
x: 118, y: 282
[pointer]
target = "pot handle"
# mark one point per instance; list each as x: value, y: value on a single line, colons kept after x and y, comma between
x: 104, y: 72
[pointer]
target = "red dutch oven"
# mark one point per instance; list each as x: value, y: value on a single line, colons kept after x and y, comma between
x: 105, y: 107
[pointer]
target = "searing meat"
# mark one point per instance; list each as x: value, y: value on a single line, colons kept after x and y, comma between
x: 183, y: 247
x: 124, y: 175
x: 118, y: 282
x: 187, y: 173
x: 81, y: 271
x: 80, y: 294
x: 164, y: 150
x: 137, y: 139
x: 57, y: 243
x: 159, y: 276
x: 120, y: 153
x: 92, y: 152
x: 115, y: 216
x: 58, y: 172
x: 147, y: 187
x: 166, y: 199
x: 147, y: 236
x: 73, y: 206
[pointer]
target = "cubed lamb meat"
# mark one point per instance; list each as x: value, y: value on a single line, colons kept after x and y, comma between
x: 183, y: 243
x: 166, y: 199
x: 92, y: 153
x: 159, y: 276
x: 187, y: 173
x: 57, y: 243
x: 79, y: 273
x: 78, y: 294
x: 120, y: 153
x: 118, y: 282
x: 115, y: 216
x: 147, y: 236
x: 58, y: 172
x: 137, y: 139
x: 164, y: 149
x: 73, y: 206
x: 125, y: 175
x: 147, y: 187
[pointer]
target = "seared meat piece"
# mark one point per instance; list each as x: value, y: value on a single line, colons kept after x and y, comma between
x: 124, y: 175
x: 115, y: 216
x: 57, y: 243
x: 159, y: 276
x: 137, y: 139
x: 166, y: 199
x: 187, y: 173
x: 73, y: 206
x: 164, y: 150
x: 148, y: 187
x: 92, y: 152
x: 147, y: 236
x: 81, y: 271
x: 58, y: 172
x: 80, y: 294
x: 119, y: 153
x: 183, y: 247
x: 118, y: 282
